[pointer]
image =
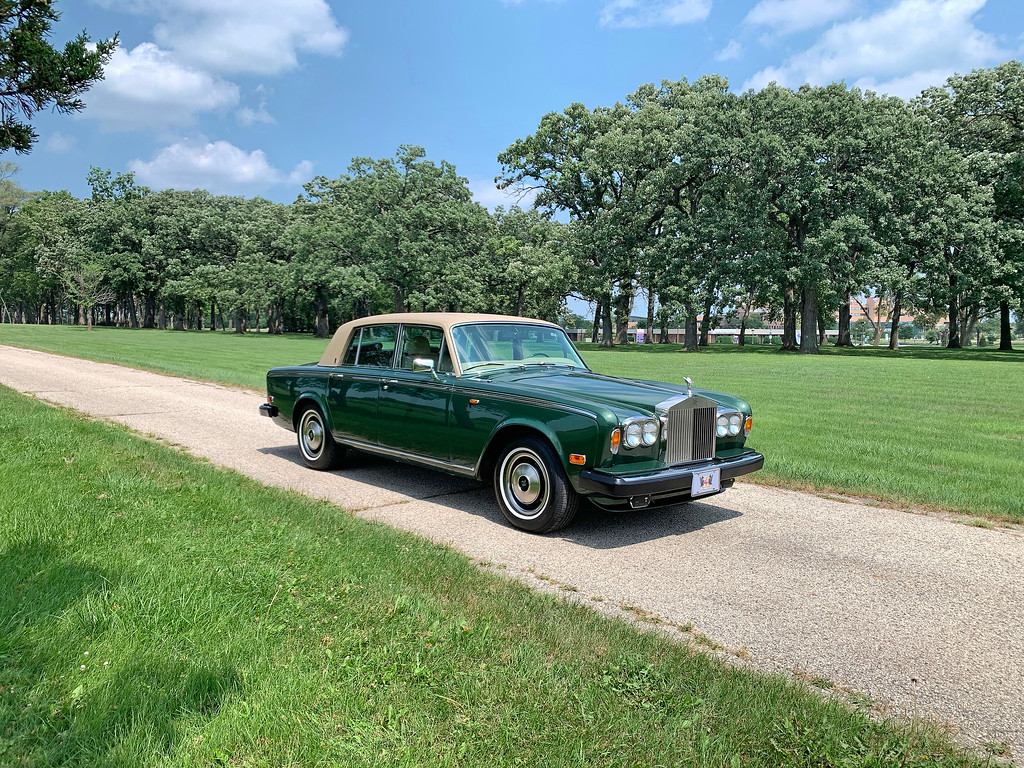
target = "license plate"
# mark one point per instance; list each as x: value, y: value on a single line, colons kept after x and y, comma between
x: 708, y: 481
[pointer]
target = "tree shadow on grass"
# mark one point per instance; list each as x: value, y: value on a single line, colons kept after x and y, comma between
x: 967, y: 354
x: 54, y: 713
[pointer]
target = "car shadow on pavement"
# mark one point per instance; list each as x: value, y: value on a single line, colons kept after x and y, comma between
x: 593, y: 527
x: 601, y: 529
x: 598, y: 528
x: 415, y: 482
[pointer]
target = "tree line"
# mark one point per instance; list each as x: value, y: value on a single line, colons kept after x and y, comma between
x: 780, y: 202
x: 400, y: 233
x: 791, y: 201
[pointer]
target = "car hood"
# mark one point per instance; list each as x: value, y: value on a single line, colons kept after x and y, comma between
x: 577, y: 387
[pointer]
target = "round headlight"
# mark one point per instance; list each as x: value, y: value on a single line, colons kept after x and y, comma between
x: 650, y: 429
x: 634, y: 435
x: 735, y: 424
x: 722, y: 428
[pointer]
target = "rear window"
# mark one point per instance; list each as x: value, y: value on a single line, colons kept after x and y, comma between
x: 373, y: 345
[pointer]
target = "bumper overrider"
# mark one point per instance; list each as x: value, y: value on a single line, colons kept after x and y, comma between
x: 664, y: 486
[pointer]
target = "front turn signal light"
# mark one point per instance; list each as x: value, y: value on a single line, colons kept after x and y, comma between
x: 616, y: 439
x: 746, y: 427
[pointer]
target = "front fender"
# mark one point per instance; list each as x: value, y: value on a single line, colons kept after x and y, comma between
x: 568, y: 433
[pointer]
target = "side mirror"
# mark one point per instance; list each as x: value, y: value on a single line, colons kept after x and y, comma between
x: 421, y: 364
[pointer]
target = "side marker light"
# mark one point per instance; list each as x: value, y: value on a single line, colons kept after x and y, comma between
x: 577, y: 458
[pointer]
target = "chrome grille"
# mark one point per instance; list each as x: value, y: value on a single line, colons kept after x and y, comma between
x: 690, y: 433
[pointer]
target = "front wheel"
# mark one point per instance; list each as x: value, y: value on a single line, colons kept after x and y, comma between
x: 316, y: 444
x: 532, y: 488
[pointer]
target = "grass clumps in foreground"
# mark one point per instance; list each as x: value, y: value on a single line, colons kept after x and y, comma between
x: 158, y: 611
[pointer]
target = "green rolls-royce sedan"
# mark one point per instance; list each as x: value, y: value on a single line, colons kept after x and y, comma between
x: 509, y: 400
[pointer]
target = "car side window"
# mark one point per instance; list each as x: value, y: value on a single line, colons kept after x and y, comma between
x: 420, y: 342
x: 373, y: 346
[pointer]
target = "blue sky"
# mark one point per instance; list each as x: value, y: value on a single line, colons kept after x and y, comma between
x: 254, y: 97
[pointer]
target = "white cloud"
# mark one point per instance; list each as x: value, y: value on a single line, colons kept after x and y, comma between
x: 892, y: 51
x: 145, y: 87
x: 218, y: 166
x: 732, y: 51
x: 248, y: 116
x: 60, y: 143
x: 786, y: 16
x: 489, y: 196
x: 633, y: 14
x: 242, y: 36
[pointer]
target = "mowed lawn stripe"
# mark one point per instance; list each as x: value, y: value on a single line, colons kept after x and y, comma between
x: 922, y: 427
x: 159, y: 611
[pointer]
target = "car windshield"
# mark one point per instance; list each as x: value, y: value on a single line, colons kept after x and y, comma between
x: 480, y: 345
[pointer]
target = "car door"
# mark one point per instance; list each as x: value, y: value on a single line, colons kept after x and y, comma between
x: 412, y: 413
x: 355, y: 384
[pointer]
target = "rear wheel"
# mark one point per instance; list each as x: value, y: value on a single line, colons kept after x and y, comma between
x: 532, y: 488
x: 317, y: 446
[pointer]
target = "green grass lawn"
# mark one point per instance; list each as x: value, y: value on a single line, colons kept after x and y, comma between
x: 229, y: 358
x: 157, y: 611
x: 921, y: 427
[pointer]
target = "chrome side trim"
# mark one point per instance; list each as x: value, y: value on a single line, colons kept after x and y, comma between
x: 387, y: 378
x: 345, y: 376
x: 415, y: 458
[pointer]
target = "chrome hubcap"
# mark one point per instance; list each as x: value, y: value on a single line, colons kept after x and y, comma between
x: 525, y: 485
x: 312, y: 435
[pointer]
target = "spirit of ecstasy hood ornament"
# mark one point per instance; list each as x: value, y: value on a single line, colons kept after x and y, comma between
x: 689, y: 386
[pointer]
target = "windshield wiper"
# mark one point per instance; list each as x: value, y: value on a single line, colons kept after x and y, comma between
x: 479, y: 365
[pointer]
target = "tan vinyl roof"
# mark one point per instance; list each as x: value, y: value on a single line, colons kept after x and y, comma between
x: 339, y: 342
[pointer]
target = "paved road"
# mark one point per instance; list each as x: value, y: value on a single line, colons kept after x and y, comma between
x: 922, y: 614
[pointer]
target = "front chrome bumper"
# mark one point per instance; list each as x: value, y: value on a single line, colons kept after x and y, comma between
x: 674, y: 482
